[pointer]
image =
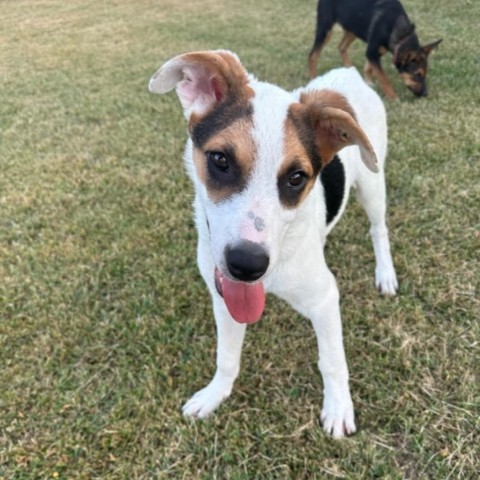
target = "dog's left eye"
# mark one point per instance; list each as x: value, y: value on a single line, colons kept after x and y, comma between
x: 218, y: 160
x: 297, y: 180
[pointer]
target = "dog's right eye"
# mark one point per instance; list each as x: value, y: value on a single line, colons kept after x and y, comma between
x: 218, y: 160
x: 297, y: 180
x: 223, y: 170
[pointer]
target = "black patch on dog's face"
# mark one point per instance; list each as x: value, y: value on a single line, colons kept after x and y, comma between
x: 291, y: 185
x: 225, y: 175
x: 303, y: 162
x: 224, y: 115
x: 306, y: 133
x: 224, y: 150
x: 333, y: 181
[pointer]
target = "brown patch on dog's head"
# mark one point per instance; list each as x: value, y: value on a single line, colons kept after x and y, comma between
x: 301, y: 161
x: 232, y: 94
x: 335, y: 126
x: 204, y: 81
x: 327, y: 98
x: 213, y: 88
x: 316, y: 128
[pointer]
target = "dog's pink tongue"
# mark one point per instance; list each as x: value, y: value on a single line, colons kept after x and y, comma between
x: 245, y: 301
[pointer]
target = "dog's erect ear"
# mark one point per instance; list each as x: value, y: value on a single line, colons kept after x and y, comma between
x: 335, y: 126
x: 202, y: 79
x: 428, y: 48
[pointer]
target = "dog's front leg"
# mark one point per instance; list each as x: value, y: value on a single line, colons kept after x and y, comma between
x: 374, y: 66
x: 337, y: 413
x: 230, y: 335
x: 323, y: 309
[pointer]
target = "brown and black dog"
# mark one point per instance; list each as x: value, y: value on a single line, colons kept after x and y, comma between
x: 385, y: 26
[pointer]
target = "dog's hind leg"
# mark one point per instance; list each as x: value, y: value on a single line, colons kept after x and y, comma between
x: 347, y: 39
x: 371, y: 193
x: 325, y: 22
x: 321, y: 39
x: 230, y: 335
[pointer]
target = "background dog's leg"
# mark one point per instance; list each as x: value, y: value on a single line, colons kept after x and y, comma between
x: 383, y: 81
x: 373, y: 57
x: 230, y: 335
x: 347, y: 39
x: 323, y: 32
x: 321, y: 39
x: 371, y: 193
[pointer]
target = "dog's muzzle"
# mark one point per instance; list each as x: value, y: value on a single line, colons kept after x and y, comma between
x: 421, y: 91
x: 244, y: 296
x: 247, y: 261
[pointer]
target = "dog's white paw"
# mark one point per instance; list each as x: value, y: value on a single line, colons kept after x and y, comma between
x: 338, y: 418
x: 386, y: 280
x: 206, y: 400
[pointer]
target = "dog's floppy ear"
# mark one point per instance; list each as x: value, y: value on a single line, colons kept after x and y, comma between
x: 202, y: 79
x: 335, y: 127
x: 428, y: 48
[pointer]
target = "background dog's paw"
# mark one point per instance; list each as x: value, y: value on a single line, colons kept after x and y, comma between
x: 386, y: 281
x: 205, y: 401
x: 338, y: 419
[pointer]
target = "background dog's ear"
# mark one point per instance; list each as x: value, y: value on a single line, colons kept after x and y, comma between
x: 335, y: 127
x: 202, y: 79
x: 428, y: 48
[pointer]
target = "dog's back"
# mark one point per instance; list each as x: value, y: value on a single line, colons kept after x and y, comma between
x: 357, y: 16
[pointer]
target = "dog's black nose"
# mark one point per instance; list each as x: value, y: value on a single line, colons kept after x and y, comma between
x: 247, y: 261
x: 422, y: 91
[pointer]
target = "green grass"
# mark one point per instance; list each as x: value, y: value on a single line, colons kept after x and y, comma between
x: 105, y: 325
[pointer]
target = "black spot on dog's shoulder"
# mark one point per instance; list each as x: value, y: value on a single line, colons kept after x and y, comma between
x: 333, y: 180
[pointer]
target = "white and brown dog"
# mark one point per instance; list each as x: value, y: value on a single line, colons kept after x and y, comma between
x: 269, y: 187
